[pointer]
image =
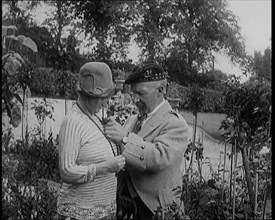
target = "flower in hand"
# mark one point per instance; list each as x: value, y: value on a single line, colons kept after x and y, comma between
x: 114, y: 130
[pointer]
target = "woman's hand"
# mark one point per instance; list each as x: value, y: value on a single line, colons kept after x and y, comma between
x: 111, y: 166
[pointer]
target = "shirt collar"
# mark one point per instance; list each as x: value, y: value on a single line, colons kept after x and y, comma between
x: 156, y: 109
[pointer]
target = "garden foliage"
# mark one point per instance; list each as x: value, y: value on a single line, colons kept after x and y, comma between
x: 247, y: 131
x: 31, y: 177
x: 49, y: 82
x: 27, y: 170
x: 212, y: 100
x: 12, y: 63
x: 30, y: 173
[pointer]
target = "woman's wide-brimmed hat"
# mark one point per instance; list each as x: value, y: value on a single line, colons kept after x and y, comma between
x: 95, y: 80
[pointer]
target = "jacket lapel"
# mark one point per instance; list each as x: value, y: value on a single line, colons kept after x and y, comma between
x: 130, y: 123
x: 155, y: 120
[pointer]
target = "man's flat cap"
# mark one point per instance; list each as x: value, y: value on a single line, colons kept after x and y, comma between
x: 148, y: 72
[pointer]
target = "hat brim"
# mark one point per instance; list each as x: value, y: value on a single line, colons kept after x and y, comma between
x: 106, y: 94
x: 139, y: 78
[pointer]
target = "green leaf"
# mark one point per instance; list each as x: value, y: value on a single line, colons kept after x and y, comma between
x: 4, y: 31
x: 239, y: 215
x: 15, y: 116
x: 6, y: 28
x: 28, y: 42
x: 18, y: 98
x: 10, y: 27
x: 12, y: 62
x: 12, y: 37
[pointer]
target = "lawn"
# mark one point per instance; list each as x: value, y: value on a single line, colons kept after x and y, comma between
x: 208, y: 132
x: 210, y: 122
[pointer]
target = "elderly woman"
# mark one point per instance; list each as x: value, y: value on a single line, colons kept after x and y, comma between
x: 88, y: 161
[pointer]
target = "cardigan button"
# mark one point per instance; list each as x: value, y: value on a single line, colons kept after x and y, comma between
x: 142, y: 147
x: 141, y: 158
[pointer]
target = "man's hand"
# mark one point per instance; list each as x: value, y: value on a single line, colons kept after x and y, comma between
x: 114, y: 131
x: 112, y: 165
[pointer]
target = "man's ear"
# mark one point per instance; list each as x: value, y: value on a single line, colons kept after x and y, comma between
x: 161, y: 90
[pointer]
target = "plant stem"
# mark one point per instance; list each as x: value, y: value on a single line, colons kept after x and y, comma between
x: 187, y: 180
x: 194, y: 139
x: 265, y: 198
x: 13, y: 32
x: 223, y: 175
x: 65, y: 106
x: 231, y: 173
x: 256, y: 193
x: 234, y: 179
x: 200, y: 160
x: 23, y: 115
x: 219, y: 165
x: 190, y: 168
x: 248, y: 177
x: 202, y: 132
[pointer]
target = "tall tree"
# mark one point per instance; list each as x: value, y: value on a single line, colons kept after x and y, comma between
x: 201, y: 27
x: 262, y: 65
x: 106, y: 25
x: 64, y: 30
x: 179, y: 34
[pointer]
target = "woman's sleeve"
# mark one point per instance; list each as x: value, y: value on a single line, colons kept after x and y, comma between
x: 69, y: 146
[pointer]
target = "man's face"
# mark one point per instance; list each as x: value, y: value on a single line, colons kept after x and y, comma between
x: 147, y: 94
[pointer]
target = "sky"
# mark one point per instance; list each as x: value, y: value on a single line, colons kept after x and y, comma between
x: 255, y: 22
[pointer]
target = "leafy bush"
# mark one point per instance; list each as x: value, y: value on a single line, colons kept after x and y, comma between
x: 12, y: 62
x: 30, y: 167
x: 243, y: 103
x: 247, y: 194
x: 24, y: 166
x: 213, y: 100
x: 121, y: 111
x: 49, y: 82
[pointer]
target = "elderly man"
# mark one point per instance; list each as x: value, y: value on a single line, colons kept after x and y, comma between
x: 153, y: 144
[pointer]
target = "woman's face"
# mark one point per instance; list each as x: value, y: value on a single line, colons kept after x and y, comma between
x: 94, y: 105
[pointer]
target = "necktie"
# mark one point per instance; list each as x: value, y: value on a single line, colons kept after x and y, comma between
x: 137, y: 127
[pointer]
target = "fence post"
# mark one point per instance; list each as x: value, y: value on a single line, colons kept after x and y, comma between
x: 66, y: 106
x: 24, y: 95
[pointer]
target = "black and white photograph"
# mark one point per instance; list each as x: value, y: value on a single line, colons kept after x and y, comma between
x: 136, y: 110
